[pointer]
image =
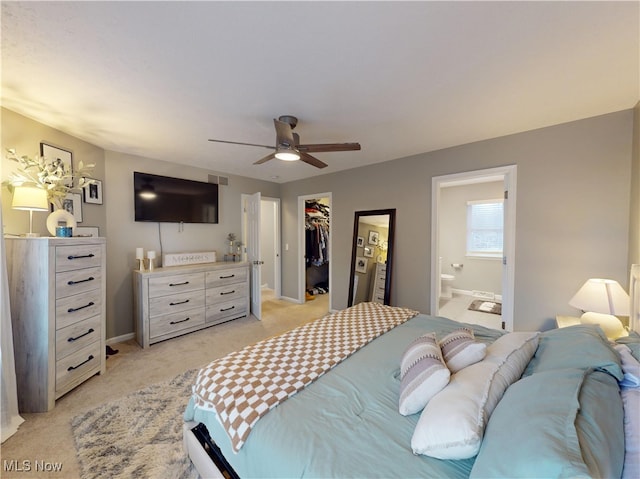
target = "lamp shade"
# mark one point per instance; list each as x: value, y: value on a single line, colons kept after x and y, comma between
x: 30, y: 198
x: 602, y: 296
x: 287, y: 153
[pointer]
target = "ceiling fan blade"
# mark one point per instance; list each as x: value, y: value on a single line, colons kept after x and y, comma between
x: 246, y: 144
x: 284, y: 134
x: 324, y: 147
x: 270, y: 156
x: 311, y: 160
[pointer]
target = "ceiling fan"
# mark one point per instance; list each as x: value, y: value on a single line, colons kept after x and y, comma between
x: 288, y: 147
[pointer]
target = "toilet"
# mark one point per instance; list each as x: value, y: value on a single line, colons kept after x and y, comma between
x: 446, y: 281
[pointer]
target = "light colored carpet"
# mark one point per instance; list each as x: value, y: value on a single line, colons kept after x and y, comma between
x: 139, y: 435
x: 47, y: 437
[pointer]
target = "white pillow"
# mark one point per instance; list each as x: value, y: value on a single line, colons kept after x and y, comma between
x: 452, y: 424
x: 459, y: 349
x: 422, y: 374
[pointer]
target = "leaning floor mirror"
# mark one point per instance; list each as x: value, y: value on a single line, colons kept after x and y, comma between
x: 372, y: 256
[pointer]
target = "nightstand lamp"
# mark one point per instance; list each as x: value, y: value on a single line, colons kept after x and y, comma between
x: 602, y: 300
x: 30, y: 198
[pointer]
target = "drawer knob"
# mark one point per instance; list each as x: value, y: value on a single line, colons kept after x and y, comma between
x: 91, y: 330
x: 73, y: 310
x: 178, y: 284
x: 179, y: 302
x: 80, y: 256
x: 178, y: 322
x: 71, y: 283
x: 71, y: 368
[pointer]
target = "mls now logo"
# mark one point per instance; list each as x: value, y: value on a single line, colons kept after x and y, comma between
x: 14, y: 465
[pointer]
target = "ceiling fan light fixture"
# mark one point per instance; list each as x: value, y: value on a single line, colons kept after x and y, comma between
x: 287, y: 154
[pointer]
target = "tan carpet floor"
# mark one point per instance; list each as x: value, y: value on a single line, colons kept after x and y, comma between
x: 47, y: 437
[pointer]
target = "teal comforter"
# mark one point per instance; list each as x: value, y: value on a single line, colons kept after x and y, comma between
x: 347, y: 423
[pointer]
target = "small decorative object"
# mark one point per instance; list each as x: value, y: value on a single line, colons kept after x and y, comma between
x: 87, y: 231
x: 373, y: 237
x: 179, y: 259
x: 140, y: 258
x: 64, y: 231
x: 231, y: 237
x: 151, y: 256
x: 239, y: 245
x: 60, y: 218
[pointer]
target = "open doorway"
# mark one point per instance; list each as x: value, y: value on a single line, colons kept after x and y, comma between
x: 314, y: 263
x: 472, y: 257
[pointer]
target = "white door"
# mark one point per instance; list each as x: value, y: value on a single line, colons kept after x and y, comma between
x: 252, y: 211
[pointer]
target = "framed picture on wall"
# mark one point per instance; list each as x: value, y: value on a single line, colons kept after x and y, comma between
x: 93, y: 193
x: 73, y: 204
x: 373, y: 237
x: 361, y: 264
x: 360, y: 243
x: 57, y: 155
x: 368, y: 251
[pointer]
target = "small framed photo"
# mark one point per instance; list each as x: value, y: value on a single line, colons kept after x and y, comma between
x: 368, y: 251
x: 361, y: 264
x: 360, y: 242
x: 86, y: 231
x: 73, y: 204
x: 57, y: 155
x: 373, y: 237
x: 93, y: 192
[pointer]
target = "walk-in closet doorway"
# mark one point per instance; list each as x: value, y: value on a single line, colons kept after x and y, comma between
x: 314, y: 265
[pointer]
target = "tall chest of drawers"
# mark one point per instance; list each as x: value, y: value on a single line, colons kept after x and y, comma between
x: 177, y: 300
x: 379, y: 282
x: 57, y: 291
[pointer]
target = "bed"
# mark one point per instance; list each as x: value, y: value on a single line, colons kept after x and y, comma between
x: 536, y: 405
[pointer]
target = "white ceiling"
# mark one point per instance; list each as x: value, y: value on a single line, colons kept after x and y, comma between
x: 157, y: 79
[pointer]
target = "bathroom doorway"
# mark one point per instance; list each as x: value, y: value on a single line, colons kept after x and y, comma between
x: 483, y: 278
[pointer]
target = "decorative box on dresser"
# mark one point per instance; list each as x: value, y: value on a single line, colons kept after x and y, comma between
x: 177, y: 300
x: 57, y: 291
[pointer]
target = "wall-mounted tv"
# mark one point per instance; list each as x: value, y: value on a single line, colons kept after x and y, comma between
x: 173, y: 200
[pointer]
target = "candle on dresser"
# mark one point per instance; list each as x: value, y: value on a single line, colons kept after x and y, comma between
x: 140, y: 258
x: 151, y: 255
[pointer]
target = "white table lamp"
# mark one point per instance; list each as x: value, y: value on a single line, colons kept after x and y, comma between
x: 602, y: 300
x: 30, y: 198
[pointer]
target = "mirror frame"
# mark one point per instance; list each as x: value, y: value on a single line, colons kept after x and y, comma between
x: 391, y: 240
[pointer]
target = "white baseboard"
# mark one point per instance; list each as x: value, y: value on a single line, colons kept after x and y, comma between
x: 121, y: 339
x: 292, y: 300
x: 466, y: 292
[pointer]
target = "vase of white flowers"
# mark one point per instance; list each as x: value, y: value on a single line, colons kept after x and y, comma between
x: 53, y: 176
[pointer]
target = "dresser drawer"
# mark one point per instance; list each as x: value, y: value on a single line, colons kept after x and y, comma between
x: 78, y: 256
x: 174, y: 323
x: 174, y: 303
x: 222, y: 311
x: 78, y: 281
x: 162, y: 286
x: 75, y: 308
x: 72, y: 367
x: 226, y: 276
x: 77, y: 336
x: 227, y: 293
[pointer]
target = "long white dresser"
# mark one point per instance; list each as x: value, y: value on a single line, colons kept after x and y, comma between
x: 57, y: 291
x: 177, y: 300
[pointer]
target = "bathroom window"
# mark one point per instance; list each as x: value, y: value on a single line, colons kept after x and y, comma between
x: 485, y: 225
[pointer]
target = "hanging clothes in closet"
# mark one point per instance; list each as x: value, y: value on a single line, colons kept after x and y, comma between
x: 317, y: 246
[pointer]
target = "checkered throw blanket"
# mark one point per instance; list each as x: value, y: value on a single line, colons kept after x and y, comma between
x: 243, y: 386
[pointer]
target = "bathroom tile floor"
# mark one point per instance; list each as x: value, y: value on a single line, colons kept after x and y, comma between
x: 456, y: 308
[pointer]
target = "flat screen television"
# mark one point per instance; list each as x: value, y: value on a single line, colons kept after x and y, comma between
x: 164, y: 199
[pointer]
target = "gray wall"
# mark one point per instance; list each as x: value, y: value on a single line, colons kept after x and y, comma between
x: 573, y: 200
x: 573, y: 212
x: 483, y: 274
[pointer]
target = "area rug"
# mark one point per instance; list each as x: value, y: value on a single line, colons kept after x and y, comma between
x: 485, y: 306
x: 139, y: 435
